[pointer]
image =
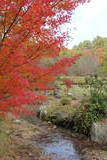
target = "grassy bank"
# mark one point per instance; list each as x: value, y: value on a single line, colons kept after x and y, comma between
x: 78, y: 107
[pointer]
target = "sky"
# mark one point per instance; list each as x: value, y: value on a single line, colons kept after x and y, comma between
x: 88, y: 21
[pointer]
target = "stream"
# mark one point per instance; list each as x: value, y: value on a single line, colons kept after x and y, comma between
x: 58, y: 145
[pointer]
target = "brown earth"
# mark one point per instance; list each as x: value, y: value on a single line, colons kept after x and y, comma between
x: 16, y: 142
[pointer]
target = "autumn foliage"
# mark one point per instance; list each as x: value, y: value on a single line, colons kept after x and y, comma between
x: 29, y: 32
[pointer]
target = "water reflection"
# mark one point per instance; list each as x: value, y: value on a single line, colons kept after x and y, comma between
x: 59, y: 146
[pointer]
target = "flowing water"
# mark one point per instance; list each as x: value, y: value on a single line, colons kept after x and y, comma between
x: 58, y: 145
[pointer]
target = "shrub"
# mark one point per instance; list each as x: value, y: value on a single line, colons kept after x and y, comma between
x: 83, y: 121
x: 93, y: 110
x: 65, y: 101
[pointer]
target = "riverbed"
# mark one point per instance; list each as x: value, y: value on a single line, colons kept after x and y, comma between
x: 57, y: 143
x: 58, y: 146
x: 62, y: 144
x: 44, y: 141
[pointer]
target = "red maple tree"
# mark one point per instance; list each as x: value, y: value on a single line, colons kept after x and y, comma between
x: 29, y: 32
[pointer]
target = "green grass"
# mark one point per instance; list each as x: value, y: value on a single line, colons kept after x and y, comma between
x: 5, y: 140
x: 59, y: 108
x: 78, y: 79
x: 79, y: 92
x: 4, y: 143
